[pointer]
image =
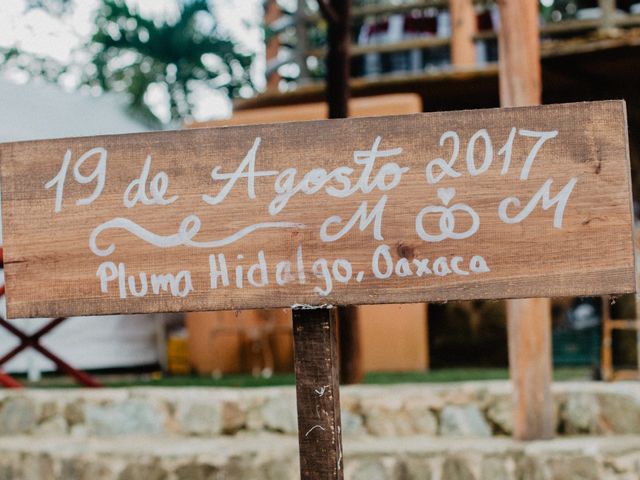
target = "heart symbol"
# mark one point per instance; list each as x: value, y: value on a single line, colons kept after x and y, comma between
x: 446, y: 194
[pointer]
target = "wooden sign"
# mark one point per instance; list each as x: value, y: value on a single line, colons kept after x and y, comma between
x: 522, y: 202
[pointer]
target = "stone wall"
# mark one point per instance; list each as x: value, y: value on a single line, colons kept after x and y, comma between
x: 274, y: 457
x: 400, y: 432
x: 475, y: 409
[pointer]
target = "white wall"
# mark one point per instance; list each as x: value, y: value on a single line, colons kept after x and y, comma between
x: 38, y: 111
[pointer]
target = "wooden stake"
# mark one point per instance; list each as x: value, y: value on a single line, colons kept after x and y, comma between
x: 317, y: 393
x: 529, y: 320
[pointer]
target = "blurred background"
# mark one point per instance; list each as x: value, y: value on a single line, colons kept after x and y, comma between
x: 71, y: 67
x: 113, y: 66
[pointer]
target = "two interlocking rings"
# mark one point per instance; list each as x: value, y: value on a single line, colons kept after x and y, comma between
x: 447, y: 221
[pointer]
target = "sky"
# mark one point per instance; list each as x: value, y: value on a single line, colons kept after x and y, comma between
x: 39, y: 33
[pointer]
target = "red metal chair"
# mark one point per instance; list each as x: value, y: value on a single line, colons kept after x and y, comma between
x: 33, y: 341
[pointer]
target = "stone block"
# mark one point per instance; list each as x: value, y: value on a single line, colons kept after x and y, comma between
x: 279, y: 413
x: 496, y: 468
x: 574, y: 468
x: 18, y: 415
x: 233, y: 417
x: 417, y: 468
x: 141, y: 471
x: 200, y: 418
x: 53, y: 426
x: 80, y: 469
x: 500, y: 414
x: 580, y: 414
x: 124, y: 418
x: 463, y: 421
x: 619, y: 414
x: 373, y: 468
x: 457, y: 468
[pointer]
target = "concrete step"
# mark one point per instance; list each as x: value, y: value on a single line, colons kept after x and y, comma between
x: 274, y: 457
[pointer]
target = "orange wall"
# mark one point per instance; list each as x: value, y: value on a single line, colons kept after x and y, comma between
x: 397, y: 104
x: 394, y: 337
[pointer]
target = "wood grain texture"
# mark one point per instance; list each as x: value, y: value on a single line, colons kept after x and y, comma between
x: 463, y: 28
x: 530, y: 367
x: 317, y: 393
x: 51, y: 270
x: 528, y: 320
x: 519, y: 54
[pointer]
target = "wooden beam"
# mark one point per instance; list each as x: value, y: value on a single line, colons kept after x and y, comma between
x: 463, y: 29
x: 529, y: 320
x: 373, y: 10
x: 375, y: 106
x: 317, y: 393
x: 559, y: 31
x: 400, y: 46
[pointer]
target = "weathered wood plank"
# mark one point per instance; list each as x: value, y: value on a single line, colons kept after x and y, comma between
x: 317, y: 393
x: 472, y: 219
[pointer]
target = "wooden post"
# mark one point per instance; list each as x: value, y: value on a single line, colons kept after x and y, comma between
x: 519, y: 54
x: 338, y: 13
x: 351, y: 368
x: 529, y: 320
x: 303, y: 43
x: 529, y: 329
x: 463, y: 28
x: 315, y: 330
x: 608, y: 21
x: 271, y: 13
x: 317, y: 393
x: 606, y: 353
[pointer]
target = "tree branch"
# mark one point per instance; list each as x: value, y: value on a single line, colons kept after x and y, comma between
x: 327, y: 11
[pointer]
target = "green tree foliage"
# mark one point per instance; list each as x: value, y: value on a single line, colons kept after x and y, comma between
x: 131, y: 53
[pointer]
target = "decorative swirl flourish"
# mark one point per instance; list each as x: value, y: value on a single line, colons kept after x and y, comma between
x: 189, y: 228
